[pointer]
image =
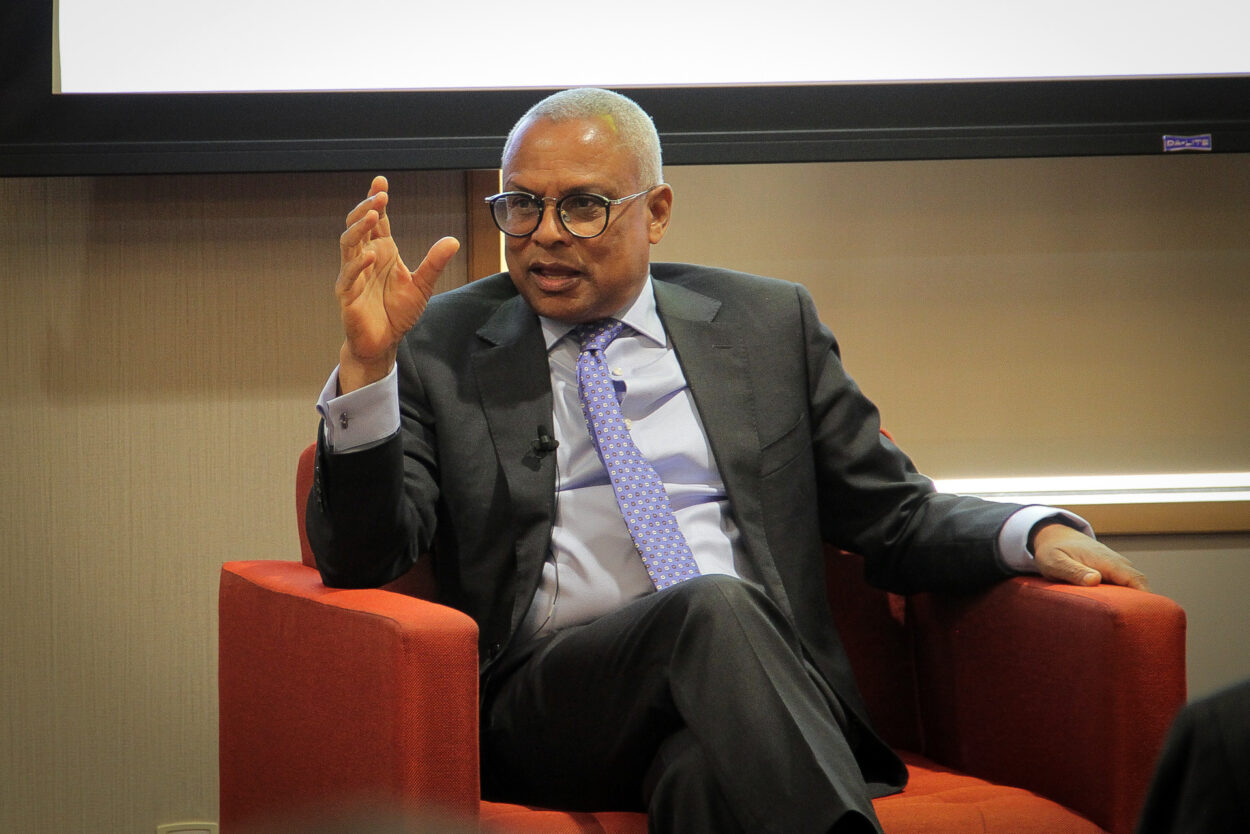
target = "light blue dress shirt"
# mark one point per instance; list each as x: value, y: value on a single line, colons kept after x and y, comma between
x: 592, y: 567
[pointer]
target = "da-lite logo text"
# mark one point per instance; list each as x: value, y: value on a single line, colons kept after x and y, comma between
x: 1172, y: 144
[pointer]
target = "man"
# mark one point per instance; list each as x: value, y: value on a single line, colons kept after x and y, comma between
x: 682, y: 660
x: 1202, y: 778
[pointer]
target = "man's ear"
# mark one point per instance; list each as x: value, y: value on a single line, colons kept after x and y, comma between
x: 660, y: 206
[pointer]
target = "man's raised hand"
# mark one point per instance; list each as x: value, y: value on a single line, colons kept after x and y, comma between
x: 379, y: 298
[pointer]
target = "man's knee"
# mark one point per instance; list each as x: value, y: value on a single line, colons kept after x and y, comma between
x: 713, y: 588
x: 724, y: 604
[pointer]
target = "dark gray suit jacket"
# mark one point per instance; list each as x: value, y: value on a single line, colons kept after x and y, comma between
x: 799, y: 448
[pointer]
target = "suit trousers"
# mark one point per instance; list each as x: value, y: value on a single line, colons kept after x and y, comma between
x: 695, y: 703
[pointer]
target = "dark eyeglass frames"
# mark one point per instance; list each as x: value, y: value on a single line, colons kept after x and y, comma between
x: 519, y: 213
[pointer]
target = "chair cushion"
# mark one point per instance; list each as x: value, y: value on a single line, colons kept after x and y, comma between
x: 937, y: 799
x: 502, y: 818
x: 940, y: 799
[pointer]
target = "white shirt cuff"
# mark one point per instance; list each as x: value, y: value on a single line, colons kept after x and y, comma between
x: 361, y: 418
x: 1013, y: 539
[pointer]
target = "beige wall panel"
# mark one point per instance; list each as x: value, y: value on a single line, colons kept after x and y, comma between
x: 164, y: 341
x: 1048, y: 316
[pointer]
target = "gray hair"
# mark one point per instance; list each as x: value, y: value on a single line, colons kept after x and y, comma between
x: 634, y: 127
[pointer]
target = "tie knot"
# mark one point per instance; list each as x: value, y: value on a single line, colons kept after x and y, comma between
x: 597, y: 335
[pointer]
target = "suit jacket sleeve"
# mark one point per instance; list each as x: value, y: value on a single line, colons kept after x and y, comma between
x: 371, y: 512
x: 873, y: 500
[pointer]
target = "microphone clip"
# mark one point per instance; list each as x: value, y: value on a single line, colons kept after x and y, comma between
x: 544, y: 443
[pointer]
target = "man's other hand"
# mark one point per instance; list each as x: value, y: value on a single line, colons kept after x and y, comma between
x: 1067, y: 555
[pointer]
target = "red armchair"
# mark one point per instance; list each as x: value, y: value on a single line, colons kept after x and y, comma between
x: 1029, y: 708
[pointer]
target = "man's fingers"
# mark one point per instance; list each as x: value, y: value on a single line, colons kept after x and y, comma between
x: 1064, y: 568
x: 1111, y: 566
x: 435, y: 262
x: 359, y: 222
x: 357, y: 233
x: 379, y: 198
x: 360, y: 209
x: 1070, y: 556
x: 352, y: 269
x: 376, y: 200
x: 1122, y: 572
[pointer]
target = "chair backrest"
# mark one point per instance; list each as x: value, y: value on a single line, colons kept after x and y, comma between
x: 303, y: 486
x: 874, y: 630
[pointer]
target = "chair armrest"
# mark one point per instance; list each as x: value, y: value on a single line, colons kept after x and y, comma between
x: 1066, y: 691
x: 332, y: 697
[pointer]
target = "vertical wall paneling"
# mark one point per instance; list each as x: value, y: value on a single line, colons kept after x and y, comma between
x: 164, y: 341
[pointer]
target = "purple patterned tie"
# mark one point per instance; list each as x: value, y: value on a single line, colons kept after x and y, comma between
x: 638, y: 488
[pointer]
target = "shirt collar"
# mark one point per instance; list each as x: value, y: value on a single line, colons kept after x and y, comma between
x: 641, y: 316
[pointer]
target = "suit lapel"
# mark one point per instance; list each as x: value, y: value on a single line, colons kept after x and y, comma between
x: 715, y: 364
x: 717, y: 367
x: 515, y: 389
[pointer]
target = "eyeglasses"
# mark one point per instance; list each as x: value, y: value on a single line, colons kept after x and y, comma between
x: 519, y: 213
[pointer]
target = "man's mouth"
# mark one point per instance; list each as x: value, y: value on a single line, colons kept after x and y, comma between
x: 554, y: 277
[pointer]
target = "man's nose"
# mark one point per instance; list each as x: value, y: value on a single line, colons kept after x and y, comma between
x: 550, y: 228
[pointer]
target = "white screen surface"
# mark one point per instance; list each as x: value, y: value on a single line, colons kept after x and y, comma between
x: 146, y: 46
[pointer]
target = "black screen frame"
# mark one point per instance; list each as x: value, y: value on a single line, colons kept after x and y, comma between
x: 42, y: 134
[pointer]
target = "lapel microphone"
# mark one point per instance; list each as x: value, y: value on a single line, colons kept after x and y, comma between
x: 544, y: 443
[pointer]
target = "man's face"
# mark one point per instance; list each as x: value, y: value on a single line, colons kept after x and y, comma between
x: 581, y: 279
